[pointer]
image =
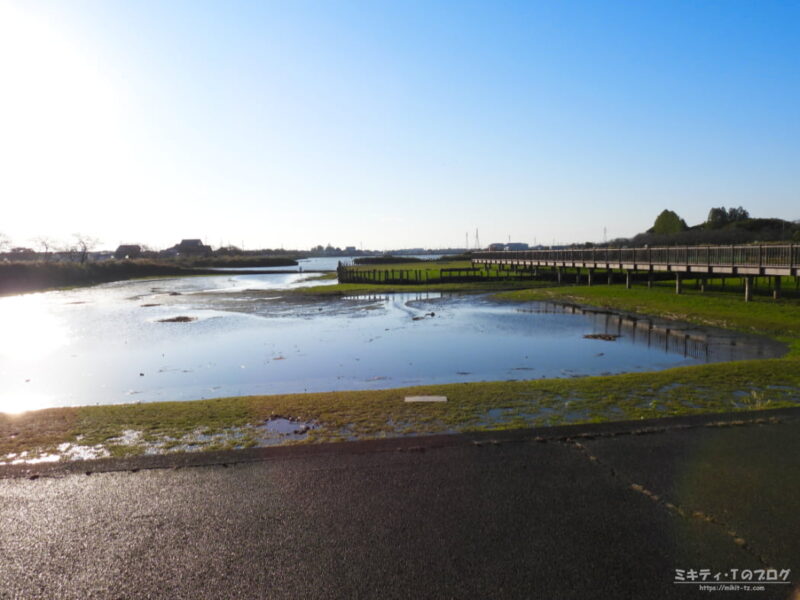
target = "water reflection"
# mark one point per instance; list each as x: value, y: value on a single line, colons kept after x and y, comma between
x: 704, y: 345
x: 245, y: 335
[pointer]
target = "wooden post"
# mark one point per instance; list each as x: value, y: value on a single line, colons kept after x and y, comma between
x: 558, y: 274
x: 678, y: 288
x: 627, y: 280
x: 649, y: 280
x: 776, y: 288
x: 703, y: 284
x: 748, y: 288
x: 589, y: 276
x: 610, y: 277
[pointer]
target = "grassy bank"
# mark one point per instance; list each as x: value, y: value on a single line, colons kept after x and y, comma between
x: 237, y: 261
x: 21, y: 277
x: 365, y: 414
x: 432, y: 270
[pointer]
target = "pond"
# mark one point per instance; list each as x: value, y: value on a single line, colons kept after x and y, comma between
x: 207, y: 337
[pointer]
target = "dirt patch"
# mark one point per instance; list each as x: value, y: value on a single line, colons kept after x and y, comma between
x: 181, y: 319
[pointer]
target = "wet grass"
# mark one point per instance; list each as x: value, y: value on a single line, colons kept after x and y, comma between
x: 722, y: 387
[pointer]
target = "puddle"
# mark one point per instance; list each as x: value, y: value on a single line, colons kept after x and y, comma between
x: 284, y: 426
x: 242, y: 335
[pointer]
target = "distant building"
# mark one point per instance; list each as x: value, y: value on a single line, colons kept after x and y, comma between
x: 20, y: 252
x: 190, y: 247
x: 516, y: 246
x: 128, y: 251
x: 509, y: 246
x: 350, y: 249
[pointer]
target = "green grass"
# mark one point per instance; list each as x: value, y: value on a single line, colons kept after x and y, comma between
x: 732, y: 386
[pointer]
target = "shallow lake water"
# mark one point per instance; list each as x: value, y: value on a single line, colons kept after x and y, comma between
x: 243, y: 334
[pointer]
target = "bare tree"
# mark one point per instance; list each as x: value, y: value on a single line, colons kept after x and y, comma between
x: 46, y: 245
x: 83, y: 245
x: 5, y: 242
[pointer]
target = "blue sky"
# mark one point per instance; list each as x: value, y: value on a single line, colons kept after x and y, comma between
x: 390, y: 125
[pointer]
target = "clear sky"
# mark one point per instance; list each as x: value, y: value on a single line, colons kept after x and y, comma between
x: 392, y: 124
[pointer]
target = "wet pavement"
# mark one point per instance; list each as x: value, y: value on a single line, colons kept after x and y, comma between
x: 618, y: 510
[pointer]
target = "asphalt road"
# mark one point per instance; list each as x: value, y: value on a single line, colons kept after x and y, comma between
x: 605, y: 511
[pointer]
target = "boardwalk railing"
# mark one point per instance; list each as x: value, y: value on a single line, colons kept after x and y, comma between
x: 746, y: 261
x: 350, y: 274
x: 779, y: 260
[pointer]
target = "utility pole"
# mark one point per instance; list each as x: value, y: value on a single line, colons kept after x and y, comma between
x: 466, y: 246
x: 477, y: 240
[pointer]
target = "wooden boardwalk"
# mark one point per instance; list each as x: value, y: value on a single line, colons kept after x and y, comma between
x: 749, y: 261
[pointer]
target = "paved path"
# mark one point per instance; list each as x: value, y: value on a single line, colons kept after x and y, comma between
x: 607, y: 511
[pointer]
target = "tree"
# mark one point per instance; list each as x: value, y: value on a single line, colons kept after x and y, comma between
x: 737, y: 214
x: 83, y: 245
x: 669, y: 222
x: 5, y: 242
x: 717, y: 217
x: 46, y: 246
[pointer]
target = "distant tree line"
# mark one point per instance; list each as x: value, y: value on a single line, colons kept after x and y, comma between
x: 722, y: 226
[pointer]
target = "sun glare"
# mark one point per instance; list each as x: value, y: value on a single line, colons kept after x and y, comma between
x: 18, y: 402
x: 59, y: 117
x: 30, y: 332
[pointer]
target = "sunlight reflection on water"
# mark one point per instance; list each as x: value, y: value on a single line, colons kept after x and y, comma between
x: 229, y: 335
x: 29, y: 327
